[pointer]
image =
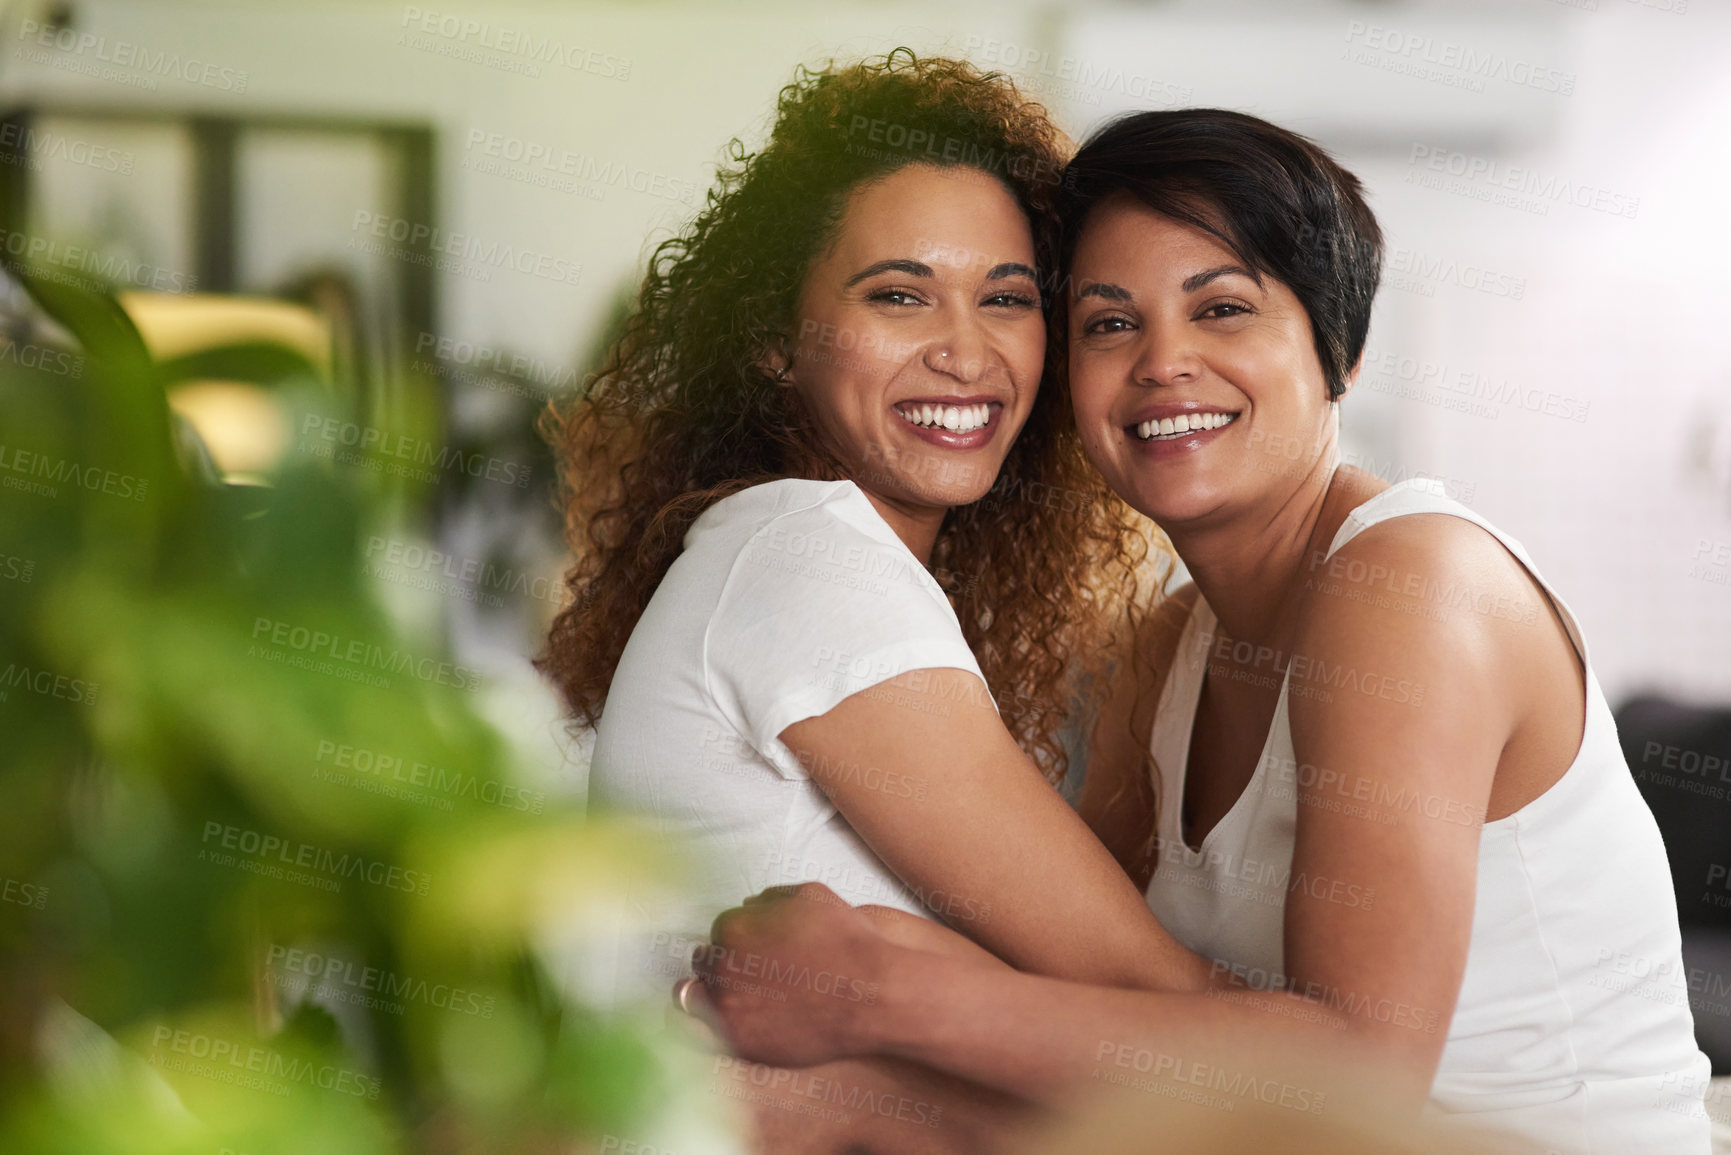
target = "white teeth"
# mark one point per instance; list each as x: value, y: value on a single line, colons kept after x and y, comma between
x: 1167, y: 427
x: 955, y: 418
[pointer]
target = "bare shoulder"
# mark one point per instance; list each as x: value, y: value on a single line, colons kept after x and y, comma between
x: 1433, y: 560
x: 1433, y: 539
x: 1436, y: 592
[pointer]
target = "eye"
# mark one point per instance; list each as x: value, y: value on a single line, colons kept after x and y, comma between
x: 1220, y: 310
x: 898, y: 297
x: 1011, y: 301
x: 1107, y: 325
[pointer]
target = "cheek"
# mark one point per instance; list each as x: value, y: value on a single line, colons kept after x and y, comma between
x: 848, y: 345
x: 833, y: 400
x: 1087, y: 398
x: 842, y: 370
x: 1029, y: 358
x: 1021, y: 363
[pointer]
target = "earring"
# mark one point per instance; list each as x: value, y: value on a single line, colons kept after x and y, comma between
x: 781, y: 375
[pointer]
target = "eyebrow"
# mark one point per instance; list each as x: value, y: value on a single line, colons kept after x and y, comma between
x: 1011, y: 269
x: 911, y: 268
x: 1105, y: 289
x: 1197, y: 280
x: 916, y: 269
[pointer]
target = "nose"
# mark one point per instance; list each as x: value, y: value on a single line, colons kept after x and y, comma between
x: 1168, y: 356
x: 961, y: 352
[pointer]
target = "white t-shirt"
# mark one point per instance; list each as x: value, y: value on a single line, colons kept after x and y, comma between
x: 788, y: 597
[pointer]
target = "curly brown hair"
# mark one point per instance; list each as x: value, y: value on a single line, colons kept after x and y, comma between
x: 682, y: 411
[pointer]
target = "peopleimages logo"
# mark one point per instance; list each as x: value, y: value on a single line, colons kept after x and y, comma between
x: 550, y: 166
x: 36, y: 252
x: 363, y: 655
x: 1235, y: 1086
x: 270, y: 1070
x: 26, y: 464
x: 361, y: 765
x: 471, y: 579
x: 408, y: 452
x: 125, y: 54
x: 484, y: 359
x: 306, y: 972
x: 465, y: 248
x: 1446, y: 61
x: 1462, y: 388
x: 515, y: 46
x: 1417, y: 271
x: 1521, y: 179
x: 274, y: 851
x: 924, y: 143
x: 43, y: 144
x: 46, y: 683
x: 42, y: 357
x: 1069, y: 75
x: 30, y: 894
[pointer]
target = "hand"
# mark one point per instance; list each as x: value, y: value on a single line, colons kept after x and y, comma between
x: 788, y: 976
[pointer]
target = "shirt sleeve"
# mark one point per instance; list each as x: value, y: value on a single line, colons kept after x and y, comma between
x: 815, y: 610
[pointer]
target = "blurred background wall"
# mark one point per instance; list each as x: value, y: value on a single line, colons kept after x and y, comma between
x: 1550, y: 338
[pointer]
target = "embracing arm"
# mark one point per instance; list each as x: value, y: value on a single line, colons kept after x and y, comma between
x: 925, y: 772
x: 1405, y: 716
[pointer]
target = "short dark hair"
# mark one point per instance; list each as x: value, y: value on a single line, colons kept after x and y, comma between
x: 1276, y: 199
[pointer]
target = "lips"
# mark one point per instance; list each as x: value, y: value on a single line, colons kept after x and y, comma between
x: 1183, y: 424
x: 951, y: 422
x: 957, y: 418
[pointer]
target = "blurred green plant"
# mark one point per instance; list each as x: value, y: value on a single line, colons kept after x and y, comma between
x: 223, y: 927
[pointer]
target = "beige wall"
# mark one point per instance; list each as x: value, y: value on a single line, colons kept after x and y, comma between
x: 1619, y: 317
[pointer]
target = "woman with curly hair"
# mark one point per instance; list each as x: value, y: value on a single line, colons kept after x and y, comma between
x: 838, y: 554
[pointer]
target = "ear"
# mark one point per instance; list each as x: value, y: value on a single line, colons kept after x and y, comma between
x: 775, y: 362
x: 1351, y: 377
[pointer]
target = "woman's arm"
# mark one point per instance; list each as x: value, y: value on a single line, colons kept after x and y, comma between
x: 1404, y: 715
x: 866, y: 1107
x: 916, y: 933
x: 841, y: 989
x: 872, y: 1106
x: 925, y: 772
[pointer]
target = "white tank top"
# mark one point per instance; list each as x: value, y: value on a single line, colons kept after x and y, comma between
x: 1573, y: 1023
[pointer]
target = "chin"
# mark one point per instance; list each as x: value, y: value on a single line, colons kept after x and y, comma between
x: 957, y: 501
x: 1174, y: 505
x: 969, y: 484
x: 951, y: 498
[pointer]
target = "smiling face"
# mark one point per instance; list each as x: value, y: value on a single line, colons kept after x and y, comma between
x: 920, y: 340
x: 1197, y: 388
